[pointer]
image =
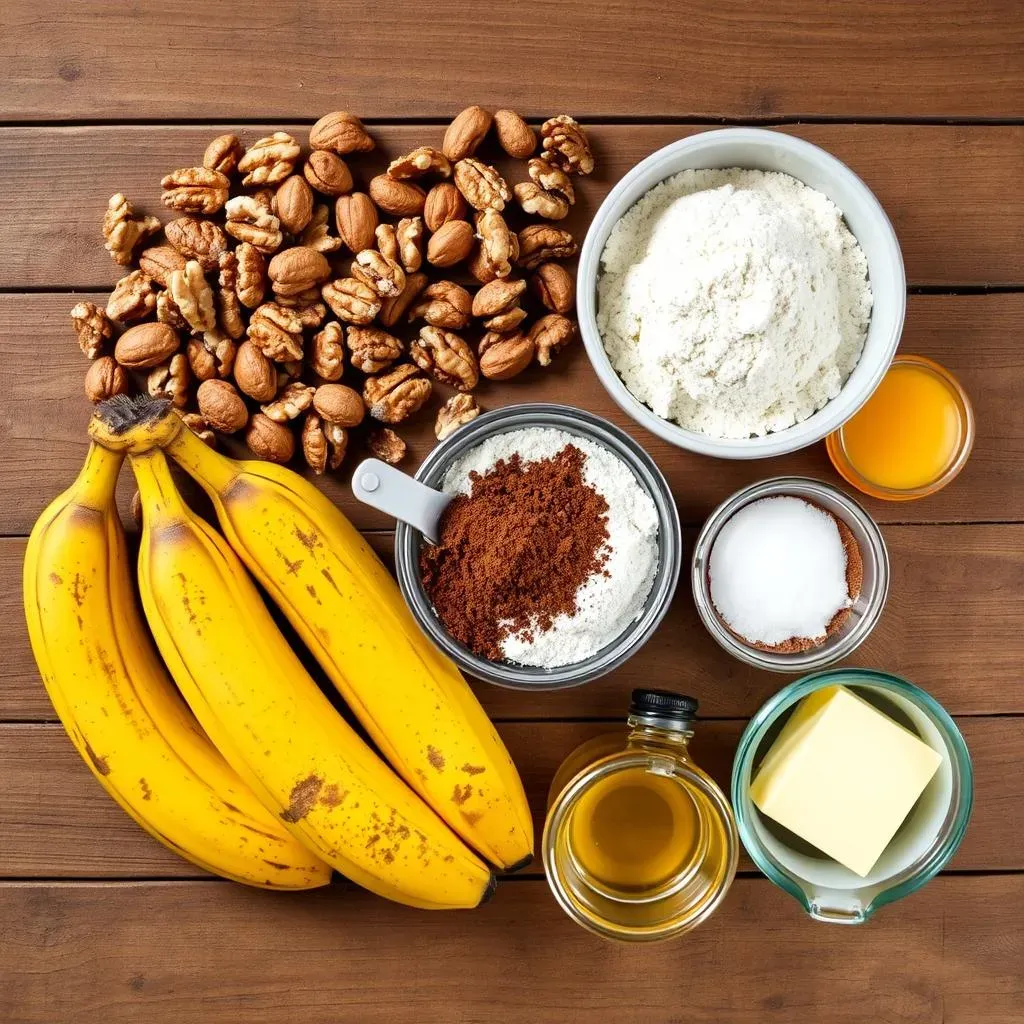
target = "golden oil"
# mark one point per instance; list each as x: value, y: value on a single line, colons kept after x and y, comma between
x: 640, y: 843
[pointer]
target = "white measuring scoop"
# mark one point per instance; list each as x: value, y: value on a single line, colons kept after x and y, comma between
x: 397, y: 494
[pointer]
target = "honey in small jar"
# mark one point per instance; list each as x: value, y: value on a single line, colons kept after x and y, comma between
x: 911, y: 437
x: 639, y: 842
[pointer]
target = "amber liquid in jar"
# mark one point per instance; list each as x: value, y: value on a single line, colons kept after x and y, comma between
x: 640, y: 843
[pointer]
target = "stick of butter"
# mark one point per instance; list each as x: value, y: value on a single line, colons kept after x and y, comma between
x: 843, y: 776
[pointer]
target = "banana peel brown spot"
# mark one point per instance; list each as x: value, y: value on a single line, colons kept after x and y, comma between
x: 276, y: 864
x: 147, y: 793
x: 292, y: 568
x: 333, y: 796
x: 310, y: 541
x: 99, y: 763
x: 55, y: 579
x: 473, y: 769
x: 471, y: 817
x: 461, y: 794
x: 311, y: 590
x: 436, y: 758
x: 78, y: 589
x: 302, y: 799
x: 326, y: 573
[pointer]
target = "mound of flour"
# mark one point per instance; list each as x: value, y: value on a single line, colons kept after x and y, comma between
x: 734, y: 302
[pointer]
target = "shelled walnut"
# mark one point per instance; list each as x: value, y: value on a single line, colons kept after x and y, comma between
x: 93, y: 327
x: 122, y: 230
x: 446, y: 357
x: 456, y: 412
x: 384, y: 444
x: 395, y: 396
x: 254, y: 226
x: 443, y: 304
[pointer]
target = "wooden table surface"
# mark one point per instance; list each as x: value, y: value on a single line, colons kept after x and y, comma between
x: 924, y: 100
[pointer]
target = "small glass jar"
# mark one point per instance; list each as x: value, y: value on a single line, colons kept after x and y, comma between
x: 639, y: 843
x: 890, y: 436
x: 866, y: 609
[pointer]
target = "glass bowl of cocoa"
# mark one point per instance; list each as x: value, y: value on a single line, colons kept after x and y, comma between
x: 790, y: 574
x: 558, y: 555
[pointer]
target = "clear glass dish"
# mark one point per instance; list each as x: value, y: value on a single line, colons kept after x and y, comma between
x: 836, y: 446
x: 921, y: 847
x: 866, y: 609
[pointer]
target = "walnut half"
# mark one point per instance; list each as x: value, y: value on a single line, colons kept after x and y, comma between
x: 446, y: 357
x: 395, y: 396
x: 93, y: 327
x: 456, y: 412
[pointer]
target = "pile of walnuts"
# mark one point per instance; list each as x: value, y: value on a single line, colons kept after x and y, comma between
x: 246, y: 314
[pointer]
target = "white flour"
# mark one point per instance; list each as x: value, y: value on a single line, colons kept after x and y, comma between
x: 607, y: 603
x: 734, y: 302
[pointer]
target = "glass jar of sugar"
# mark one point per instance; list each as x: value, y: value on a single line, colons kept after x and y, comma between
x: 786, y: 585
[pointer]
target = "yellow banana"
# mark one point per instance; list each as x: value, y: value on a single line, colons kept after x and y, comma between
x: 344, y: 604
x: 121, y: 709
x: 270, y: 720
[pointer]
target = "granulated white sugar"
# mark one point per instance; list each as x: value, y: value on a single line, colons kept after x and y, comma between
x: 778, y: 571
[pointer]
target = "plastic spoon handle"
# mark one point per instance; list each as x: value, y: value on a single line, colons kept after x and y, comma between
x: 395, y: 493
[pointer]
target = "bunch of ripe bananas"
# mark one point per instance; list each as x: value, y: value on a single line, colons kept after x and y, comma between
x: 262, y: 781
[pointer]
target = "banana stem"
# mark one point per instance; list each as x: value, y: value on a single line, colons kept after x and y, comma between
x: 214, y: 471
x: 94, y: 487
x: 159, y: 494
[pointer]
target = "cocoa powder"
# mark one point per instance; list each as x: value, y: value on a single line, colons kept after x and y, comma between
x: 515, y: 550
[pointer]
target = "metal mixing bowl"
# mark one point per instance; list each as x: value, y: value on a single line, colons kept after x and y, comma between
x: 408, y: 542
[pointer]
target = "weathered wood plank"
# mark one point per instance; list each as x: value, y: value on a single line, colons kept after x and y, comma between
x: 940, y: 629
x: 103, y: 60
x: 58, y: 823
x: 944, y: 187
x: 43, y: 415
x: 173, y: 951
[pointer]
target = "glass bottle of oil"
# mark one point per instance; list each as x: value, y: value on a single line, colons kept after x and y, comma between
x: 639, y: 842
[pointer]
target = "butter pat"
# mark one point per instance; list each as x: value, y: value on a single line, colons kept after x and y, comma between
x: 843, y: 776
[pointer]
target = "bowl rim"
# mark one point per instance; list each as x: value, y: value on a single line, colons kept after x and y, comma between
x: 670, y: 546
x: 608, y: 214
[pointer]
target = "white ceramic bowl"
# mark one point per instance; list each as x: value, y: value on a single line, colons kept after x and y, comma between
x: 764, y: 150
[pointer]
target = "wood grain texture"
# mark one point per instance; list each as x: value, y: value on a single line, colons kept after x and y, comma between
x: 934, y: 595
x: 104, y: 60
x: 43, y: 415
x: 212, y: 952
x: 57, y: 822
x: 944, y: 187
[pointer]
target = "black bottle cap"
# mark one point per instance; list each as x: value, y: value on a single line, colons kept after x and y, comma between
x: 663, y: 704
